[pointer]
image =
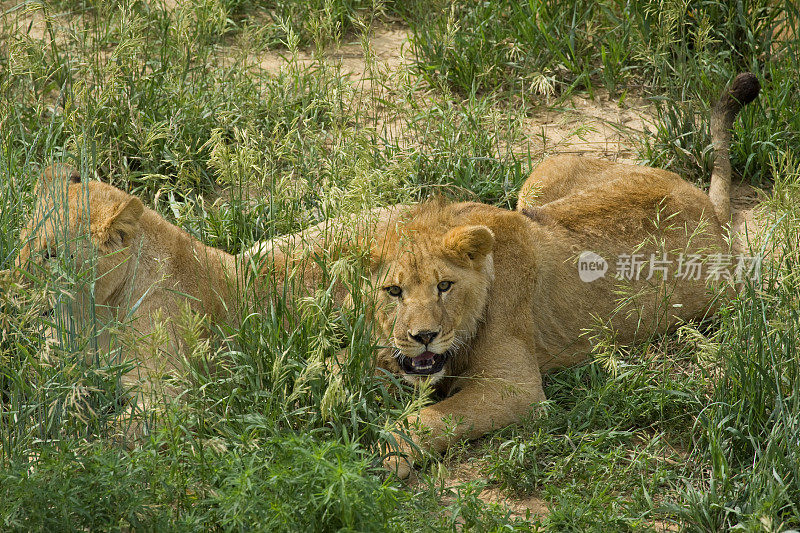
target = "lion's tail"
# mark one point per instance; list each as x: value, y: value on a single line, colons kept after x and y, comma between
x: 743, y: 90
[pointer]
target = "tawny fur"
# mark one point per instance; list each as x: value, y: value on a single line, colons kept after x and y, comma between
x: 147, y: 270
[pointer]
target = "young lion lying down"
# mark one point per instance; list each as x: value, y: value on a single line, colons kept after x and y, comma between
x: 144, y: 271
x: 481, y: 301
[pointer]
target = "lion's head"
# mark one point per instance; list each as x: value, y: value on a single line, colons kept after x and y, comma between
x: 90, y: 225
x: 433, y: 278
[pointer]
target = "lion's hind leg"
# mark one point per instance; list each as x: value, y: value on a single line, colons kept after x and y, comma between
x: 560, y: 176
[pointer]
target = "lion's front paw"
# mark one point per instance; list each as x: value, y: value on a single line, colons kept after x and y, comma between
x: 401, y: 458
x: 399, y: 465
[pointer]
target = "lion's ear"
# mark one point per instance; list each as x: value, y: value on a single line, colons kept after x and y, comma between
x: 471, y: 242
x: 118, y: 222
x: 57, y: 173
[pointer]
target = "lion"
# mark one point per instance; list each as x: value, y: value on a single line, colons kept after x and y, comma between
x: 144, y: 273
x: 479, y: 301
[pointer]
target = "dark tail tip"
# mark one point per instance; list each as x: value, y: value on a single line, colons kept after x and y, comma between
x: 743, y: 90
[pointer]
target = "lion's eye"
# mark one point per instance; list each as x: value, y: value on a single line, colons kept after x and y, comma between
x: 48, y: 253
x: 394, y: 290
x: 444, y: 286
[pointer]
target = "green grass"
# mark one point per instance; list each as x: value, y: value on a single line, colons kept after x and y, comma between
x: 174, y: 104
x: 679, y: 52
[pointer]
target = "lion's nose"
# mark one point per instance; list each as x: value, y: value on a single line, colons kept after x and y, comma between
x: 424, y: 337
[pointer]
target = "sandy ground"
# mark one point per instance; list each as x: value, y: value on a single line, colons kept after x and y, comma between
x: 602, y: 127
x: 26, y: 19
x: 388, y: 49
x: 531, y: 505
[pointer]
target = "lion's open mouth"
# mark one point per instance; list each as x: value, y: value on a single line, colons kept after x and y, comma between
x: 425, y: 364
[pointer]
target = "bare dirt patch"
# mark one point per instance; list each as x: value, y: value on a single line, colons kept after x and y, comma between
x: 387, y: 46
x: 35, y: 21
x: 599, y: 127
x: 521, y: 507
x: 24, y: 20
x: 528, y: 506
